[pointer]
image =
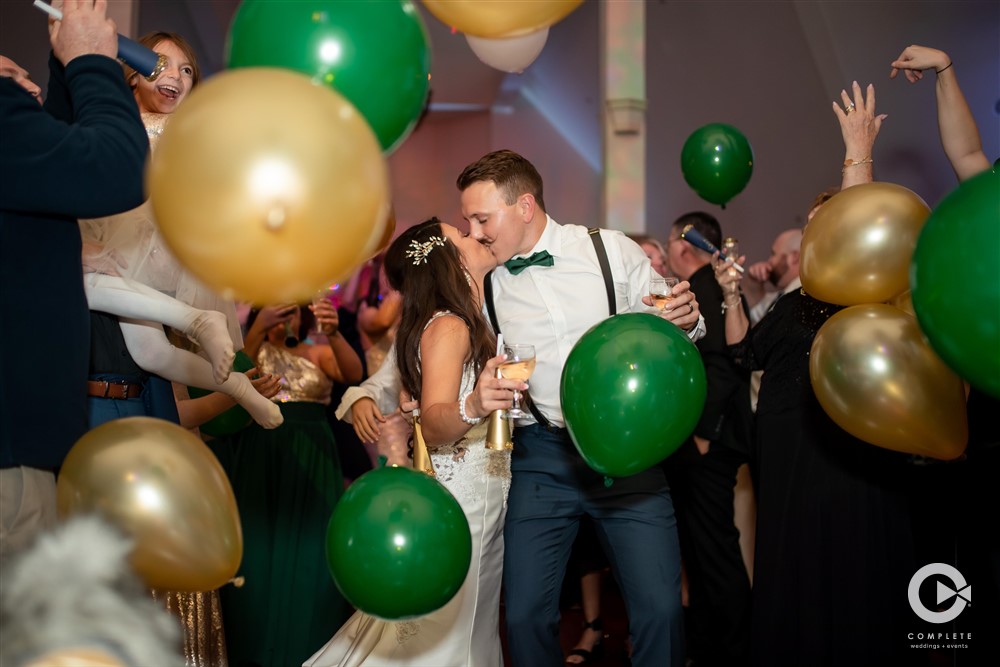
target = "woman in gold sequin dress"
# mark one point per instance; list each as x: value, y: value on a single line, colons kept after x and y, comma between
x: 287, y: 482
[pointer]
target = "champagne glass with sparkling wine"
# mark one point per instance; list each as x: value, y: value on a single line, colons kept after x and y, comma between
x: 731, y: 249
x: 520, y: 364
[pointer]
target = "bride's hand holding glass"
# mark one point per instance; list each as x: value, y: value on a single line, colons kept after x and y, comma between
x: 491, y: 392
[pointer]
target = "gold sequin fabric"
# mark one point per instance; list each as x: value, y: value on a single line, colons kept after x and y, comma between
x: 302, y: 381
x: 154, y: 122
x: 200, y: 615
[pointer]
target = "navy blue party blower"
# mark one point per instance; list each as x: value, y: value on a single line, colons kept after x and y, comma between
x: 694, y: 237
x: 143, y: 60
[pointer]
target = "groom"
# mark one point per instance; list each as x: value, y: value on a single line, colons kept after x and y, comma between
x: 536, y: 299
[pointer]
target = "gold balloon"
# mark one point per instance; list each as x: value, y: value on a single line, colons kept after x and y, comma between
x: 500, y: 18
x: 857, y: 249
x: 904, y: 302
x: 879, y: 380
x: 390, y: 229
x: 268, y: 187
x: 77, y: 656
x: 166, y: 489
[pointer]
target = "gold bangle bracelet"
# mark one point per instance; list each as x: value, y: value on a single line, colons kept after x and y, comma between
x: 854, y: 163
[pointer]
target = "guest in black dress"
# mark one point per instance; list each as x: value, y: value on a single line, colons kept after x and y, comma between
x: 834, y: 547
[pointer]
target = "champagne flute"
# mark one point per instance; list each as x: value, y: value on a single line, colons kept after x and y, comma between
x: 520, y: 364
x: 731, y: 249
x: 661, y: 289
x: 326, y: 294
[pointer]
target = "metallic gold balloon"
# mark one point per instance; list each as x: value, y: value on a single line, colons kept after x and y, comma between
x: 77, y: 656
x: 166, y: 489
x: 390, y: 230
x: 857, y: 248
x: 500, y: 18
x: 268, y: 187
x: 878, y: 379
x: 904, y: 302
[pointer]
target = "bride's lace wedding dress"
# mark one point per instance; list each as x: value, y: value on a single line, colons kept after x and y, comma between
x: 465, y: 632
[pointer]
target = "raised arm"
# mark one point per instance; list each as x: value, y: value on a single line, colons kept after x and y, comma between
x: 93, y: 166
x: 267, y: 317
x: 859, y: 126
x: 959, y: 134
x: 736, y: 322
x: 348, y: 364
x: 375, y: 321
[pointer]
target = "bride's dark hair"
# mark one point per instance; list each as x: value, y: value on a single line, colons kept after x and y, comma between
x: 440, y: 283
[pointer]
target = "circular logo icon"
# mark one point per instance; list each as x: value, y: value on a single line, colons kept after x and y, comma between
x: 961, y: 591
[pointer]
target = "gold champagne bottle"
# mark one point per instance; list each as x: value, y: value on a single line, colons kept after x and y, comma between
x: 498, y: 430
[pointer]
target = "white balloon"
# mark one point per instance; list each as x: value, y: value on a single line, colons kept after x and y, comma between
x: 510, y: 54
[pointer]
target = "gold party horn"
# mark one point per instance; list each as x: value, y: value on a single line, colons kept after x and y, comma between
x: 421, y: 457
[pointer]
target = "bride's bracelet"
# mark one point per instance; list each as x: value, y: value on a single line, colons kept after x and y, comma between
x: 471, y: 421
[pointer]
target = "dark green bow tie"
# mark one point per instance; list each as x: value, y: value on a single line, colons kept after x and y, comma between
x: 518, y: 264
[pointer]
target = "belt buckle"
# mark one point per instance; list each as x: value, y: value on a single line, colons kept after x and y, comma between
x: 125, y: 384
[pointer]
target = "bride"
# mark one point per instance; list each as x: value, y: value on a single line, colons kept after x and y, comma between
x: 442, y: 345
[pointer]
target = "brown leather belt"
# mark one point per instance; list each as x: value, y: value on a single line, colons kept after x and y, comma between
x: 117, y: 390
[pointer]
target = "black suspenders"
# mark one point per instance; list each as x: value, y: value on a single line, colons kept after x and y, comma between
x: 609, y: 286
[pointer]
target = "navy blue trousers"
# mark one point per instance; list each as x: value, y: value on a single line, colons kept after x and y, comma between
x: 552, y: 489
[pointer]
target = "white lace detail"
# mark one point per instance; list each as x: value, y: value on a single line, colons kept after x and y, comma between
x: 464, y: 466
x: 406, y: 630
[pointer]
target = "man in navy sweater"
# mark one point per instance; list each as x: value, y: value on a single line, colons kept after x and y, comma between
x: 79, y: 156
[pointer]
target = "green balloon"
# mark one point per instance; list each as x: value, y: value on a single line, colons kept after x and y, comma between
x: 955, y: 281
x: 398, y: 544
x: 717, y: 162
x: 375, y: 54
x: 632, y: 391
x: 235, y: 418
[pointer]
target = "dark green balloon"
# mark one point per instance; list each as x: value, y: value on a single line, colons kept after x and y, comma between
x: 398, y: 544
x: 235, y: 418
x: 955, y: 281
x: 374, y: 53
x: 632, y: 391
x: 717, y: 162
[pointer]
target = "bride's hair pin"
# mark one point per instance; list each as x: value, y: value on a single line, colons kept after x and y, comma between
x: 419, y: 251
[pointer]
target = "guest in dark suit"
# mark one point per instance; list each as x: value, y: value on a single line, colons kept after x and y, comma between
x: 81, y: 155
x: 702, y: 473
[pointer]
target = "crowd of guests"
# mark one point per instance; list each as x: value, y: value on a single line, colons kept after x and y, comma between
x: 836, y: 540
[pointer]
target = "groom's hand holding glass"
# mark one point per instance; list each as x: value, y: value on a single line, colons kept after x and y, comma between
x: 682, y: 310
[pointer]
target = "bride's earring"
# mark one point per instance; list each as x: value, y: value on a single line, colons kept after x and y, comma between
x: 468, y: 276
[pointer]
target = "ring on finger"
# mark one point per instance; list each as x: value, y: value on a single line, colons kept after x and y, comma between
x: 850, y: 107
